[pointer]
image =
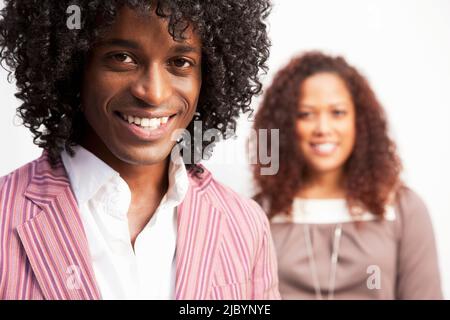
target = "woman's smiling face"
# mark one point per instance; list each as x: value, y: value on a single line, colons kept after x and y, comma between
x: 326, y: 122
x: 139, y: 86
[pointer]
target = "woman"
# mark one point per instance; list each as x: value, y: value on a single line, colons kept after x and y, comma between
x: 344, y: 225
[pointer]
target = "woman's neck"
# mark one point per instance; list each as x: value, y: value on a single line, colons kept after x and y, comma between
x: 329, y: 185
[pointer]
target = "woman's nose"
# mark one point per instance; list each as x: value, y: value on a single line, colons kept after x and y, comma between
x: 323, y: 124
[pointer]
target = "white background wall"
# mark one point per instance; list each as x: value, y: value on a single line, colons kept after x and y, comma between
x: 402, y: 46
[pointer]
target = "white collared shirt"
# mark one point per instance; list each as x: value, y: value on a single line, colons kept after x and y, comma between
x: 103, y: 198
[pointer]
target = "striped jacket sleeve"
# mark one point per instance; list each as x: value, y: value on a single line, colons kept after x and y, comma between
x: 265, y: 274
x: 2, y: 181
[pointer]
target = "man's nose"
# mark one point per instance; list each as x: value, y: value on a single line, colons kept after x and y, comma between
x: 152, y: 87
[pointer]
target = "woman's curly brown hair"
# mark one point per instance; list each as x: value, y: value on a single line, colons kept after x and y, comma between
x: 373, y: 168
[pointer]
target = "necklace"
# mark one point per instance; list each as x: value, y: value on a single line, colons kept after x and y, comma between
x: 334, y: 260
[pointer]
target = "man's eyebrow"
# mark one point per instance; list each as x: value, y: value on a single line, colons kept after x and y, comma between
x: 119, y: 43
x: 185, y: 48
x: 177, y: 49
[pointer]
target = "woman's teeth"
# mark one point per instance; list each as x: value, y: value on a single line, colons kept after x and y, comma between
x: 153, y: 123
x: 324, y: 148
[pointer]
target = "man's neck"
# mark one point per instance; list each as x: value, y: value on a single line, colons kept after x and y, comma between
x: 148, y: 185
x: 143, y: 180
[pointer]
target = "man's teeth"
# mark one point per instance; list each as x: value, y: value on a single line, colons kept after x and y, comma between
x: 152, y: 123
x: 325, y: 147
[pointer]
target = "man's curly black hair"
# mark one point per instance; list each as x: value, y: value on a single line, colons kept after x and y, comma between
x: 47, y: 59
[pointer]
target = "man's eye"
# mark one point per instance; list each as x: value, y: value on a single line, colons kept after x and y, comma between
x: 123, y: 58
x: 181, y: 63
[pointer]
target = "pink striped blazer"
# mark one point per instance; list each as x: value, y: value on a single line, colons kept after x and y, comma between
x: 224, y: 246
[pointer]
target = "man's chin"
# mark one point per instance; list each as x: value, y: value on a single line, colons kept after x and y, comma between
x: 142, y: 157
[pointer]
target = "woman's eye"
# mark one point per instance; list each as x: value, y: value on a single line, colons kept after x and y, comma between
x: 339, y: 113
x: 304, y: 114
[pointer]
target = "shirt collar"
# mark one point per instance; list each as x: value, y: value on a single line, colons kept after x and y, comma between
x: 178, y: 180
x: 87, y: 174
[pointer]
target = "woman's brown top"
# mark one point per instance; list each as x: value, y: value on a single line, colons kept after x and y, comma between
x: 391, y: 259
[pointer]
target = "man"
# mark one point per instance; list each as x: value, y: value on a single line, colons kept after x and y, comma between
x: 108, y: 211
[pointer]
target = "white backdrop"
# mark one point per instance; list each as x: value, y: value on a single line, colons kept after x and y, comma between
x: 402, y: 46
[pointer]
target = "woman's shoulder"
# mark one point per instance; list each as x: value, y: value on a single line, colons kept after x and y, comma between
x: 414, y: 219
x: 409, y: 202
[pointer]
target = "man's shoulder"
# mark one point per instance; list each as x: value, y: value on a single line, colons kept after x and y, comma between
x: 2, y: 181
x: 23, y: 172
x: 20, y: 176
x: 228, y: 201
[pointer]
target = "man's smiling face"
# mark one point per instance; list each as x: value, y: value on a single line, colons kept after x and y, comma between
x: 139, y: 86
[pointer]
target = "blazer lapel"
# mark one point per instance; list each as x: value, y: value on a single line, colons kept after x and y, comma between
x: 54, y: 239
x: 198, y: 240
